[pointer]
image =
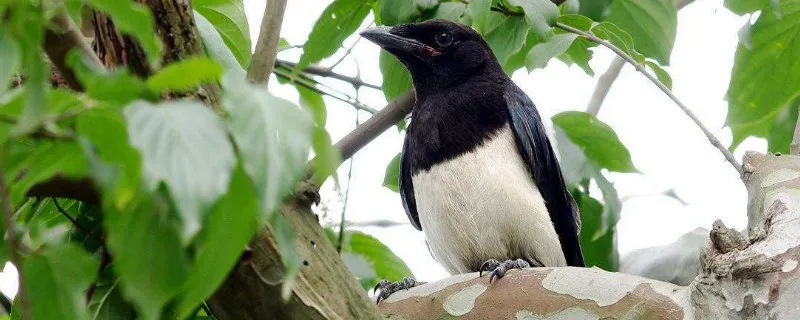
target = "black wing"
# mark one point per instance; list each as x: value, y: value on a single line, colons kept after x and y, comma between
x: 406, y: 187
x: 538, y: 155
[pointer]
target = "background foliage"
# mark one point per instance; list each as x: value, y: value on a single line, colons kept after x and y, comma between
x: 184, y: 187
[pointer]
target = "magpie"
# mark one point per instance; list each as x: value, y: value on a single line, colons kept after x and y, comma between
x: 478, y: 174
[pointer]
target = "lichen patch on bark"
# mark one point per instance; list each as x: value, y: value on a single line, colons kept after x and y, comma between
x: 462, y: 302
x: 778, y: 176
x: 429, y: 288
x: 566, y: 314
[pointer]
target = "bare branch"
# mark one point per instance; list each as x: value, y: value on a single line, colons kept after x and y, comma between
x: 390, y: 115
x: 59, y: 41
x: 267, y: 47
x: 608, y: 78
x: 711, y: 138
x: 328, y: 72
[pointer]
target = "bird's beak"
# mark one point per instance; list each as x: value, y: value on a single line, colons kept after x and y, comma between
x: 393, y: 43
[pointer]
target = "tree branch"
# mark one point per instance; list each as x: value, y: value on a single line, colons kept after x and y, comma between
x: 607, y: 79
x: 390, y: 115
x: 267, y: 46
x: 13, y: 243
x: 711, y: 138
x: 328, y: 72
x: 58, y: 42
x: 795, y: 145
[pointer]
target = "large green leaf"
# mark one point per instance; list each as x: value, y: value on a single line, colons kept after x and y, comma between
x: 273, y: 137
x: 225, y: 234
x: 147, y: 251
x: 135, y: 19
x: 184, y: 145
x: 185, y: 75
x: 54, y: 281
x: 398, y: 11
x: 29, y: 163
x: 384, y: 263
x: 326, y: 157
x: 766, y: 76
x: 11, y: 57
x: 578, y: 52
x: 507, y: 38
x: 229, y: 18
x: 391, y: 179
x: 396, y: 79
x: 741, y: 7
x: 216, y: 47
x: 540, y: 14
x: 116, y: 87
x: 478, y: 11
x: 597, y: 140
x: 651, y: 23
x: 541, y: 54
x: 26, y: 23
x: 339, y: 20
x: 450, y: 10
x: 777, y: 128
x: 594, y: 9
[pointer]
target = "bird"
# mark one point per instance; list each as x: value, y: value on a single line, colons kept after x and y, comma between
x: 478, y: 173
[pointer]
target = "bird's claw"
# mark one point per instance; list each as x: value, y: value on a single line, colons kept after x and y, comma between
x: 387, y: 288
x: 497, y: 269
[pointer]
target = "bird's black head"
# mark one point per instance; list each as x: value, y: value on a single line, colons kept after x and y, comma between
x: 436, y: 52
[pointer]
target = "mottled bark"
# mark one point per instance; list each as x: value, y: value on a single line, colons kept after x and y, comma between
x: 753, y: 277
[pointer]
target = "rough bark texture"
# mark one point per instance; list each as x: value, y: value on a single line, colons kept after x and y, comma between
x: 753, y: 277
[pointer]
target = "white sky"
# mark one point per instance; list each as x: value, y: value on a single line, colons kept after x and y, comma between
x: 664, y: 143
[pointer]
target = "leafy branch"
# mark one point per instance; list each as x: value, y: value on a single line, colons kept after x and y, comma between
x: 639, y: 67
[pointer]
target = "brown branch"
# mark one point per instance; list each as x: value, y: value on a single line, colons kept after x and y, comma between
x: 328, y: 72
x: 385, y: 118
x: 711, y: 138
x: 267, y: 46
x: 59, y: 40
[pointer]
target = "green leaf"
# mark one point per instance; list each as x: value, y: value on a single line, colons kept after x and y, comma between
x: 147, y: 251
x: 339, y: 20
x: 108, y: 303
x: 27, y: 21
x: 742, y: 7
x: 777, y: 128
x: 228, y: 17
x: 326, y: 159
x: 661, y: 74
x: 541, y: 54
x: 396, y: 79
x: 391, y: 179
x: 54, y: 281
x: 540, y: 14
x: 597, y: 140
x: 426, y: 4
x: 600, y: 252
x: 273, y: 137
x: 507, y: 38
x: 185, y: 75
x: 134, y: 19
x: 616, y: 36
x: 384, y: 263
x: 398, y: 11
x: 578, y: 52
x: 450, y: 10
x: 594, y: 9
x: 478, y: 11
x: 35, y: 161
x: 651, y: 23
x: 229, y: 227
x: 11, y: 56
x: 115, y: 163
x: 576, y: 21
x: 216, y: 47
x: 117, y: 87
x: 184, y: 145
x: 766, y: 77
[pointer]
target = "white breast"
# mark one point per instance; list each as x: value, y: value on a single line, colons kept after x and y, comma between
x: 484, y: 205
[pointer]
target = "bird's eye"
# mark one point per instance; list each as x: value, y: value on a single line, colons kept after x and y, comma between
x: 444, y: 39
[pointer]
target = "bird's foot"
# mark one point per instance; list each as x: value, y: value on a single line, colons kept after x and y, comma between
x: 387, y: 288
x: 497, y: 269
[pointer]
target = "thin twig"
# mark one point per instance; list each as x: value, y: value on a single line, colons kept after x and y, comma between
x: 267, y: 47
x: 105, y: 260
x: 346, y: 198
x: 711, y: 138
x: 13, y: 243
x: 607, y: 79
x: 74, y: 221
x: 346, y: 53
x: 349, y: 100
x: 794, y: 148
x: 328, y: 73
